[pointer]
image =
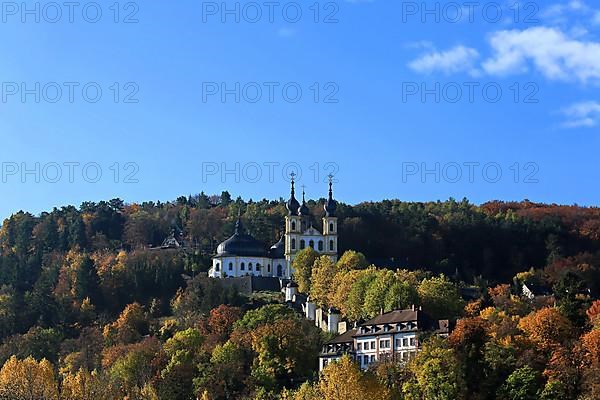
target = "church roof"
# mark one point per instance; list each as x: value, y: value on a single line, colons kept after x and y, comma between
x: 278, y: 249
x: 241, y: 244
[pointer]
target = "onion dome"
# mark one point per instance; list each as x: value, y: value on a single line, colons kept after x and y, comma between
x: 241, y: 244
x: 292, y: 204
x: 330, y: 205
x: 303, y: 210
x: 278, y: 249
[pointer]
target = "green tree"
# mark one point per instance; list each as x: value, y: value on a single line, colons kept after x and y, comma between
x: 522, y: 384
x: 435, y: 374
x: 440, y: 298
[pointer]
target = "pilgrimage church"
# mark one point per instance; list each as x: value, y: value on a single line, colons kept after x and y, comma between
x: 243, y: 255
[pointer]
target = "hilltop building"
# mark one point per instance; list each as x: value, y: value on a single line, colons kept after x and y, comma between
x: 243, y: 255
x: 390, y: 336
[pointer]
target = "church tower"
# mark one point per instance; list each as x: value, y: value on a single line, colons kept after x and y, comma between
x: 330, y: 228
x: 293, y: 225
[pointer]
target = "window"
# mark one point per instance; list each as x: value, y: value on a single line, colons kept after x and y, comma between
x: 269, y: 268
x: 249, y: 266
x: 258, y: 267
x: 302, y: 244
x: 293, y: 244
x: 320, y: 245
x: 384, y: 344
x: 331, y: 227
x: 231, y: 266
x: 293, y: 225
x: 325, y: 362
x: 331, y: 245
x: 366, y: 360
x: 405, y: 342
x: 359, y: 346
x: 373, y: 345
x: 413, y: 342
x: 242, y: 266
x: 372, y: 359
x: 312, y: 244
x: 217, y: 267
x: 279, y: 270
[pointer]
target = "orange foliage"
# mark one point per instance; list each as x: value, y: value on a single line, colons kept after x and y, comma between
x: 547, y: 328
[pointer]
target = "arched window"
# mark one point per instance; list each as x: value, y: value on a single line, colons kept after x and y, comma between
x: 279, y: 270
x: 331, y: 227
x: 269, y: 268
x: 293, y: 225
x: 217, y: 267
x: 302, y: 244
x: 293, y: 244
x: 249, y: 266
x: 331, y: 245
x: 312, y: 244
x: 258, y: 267
x: 231, y: 266
x: 242, y: 266
x: 320, y: 245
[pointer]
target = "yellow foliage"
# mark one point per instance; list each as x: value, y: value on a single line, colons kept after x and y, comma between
x: 88, y: 386
x: 345, y: 380
x: 28, y: 379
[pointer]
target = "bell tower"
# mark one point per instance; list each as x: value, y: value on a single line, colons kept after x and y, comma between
x: 293, y: 224
x: 330, y: 224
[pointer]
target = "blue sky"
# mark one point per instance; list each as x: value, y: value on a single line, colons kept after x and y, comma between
x: 397, y: 100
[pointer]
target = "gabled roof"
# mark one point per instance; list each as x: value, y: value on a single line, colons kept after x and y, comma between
x: 344, y: 337
x: 393, y: 317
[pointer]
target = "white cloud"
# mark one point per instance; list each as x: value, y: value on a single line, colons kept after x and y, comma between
x: 582, y: 115
x: 596, y: 18
x: 456, y: 59
x: 550, y: 51
x: 559, y: 10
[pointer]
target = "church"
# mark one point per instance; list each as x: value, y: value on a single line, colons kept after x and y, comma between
x: 243, y: 255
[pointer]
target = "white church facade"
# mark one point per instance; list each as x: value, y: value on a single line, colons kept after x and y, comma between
x: 243, y: 255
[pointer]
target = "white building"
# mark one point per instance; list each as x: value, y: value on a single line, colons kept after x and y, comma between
x: 242, y: 254
x: 390, y: 336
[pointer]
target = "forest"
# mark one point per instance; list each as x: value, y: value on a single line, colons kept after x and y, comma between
x: 91, y: 306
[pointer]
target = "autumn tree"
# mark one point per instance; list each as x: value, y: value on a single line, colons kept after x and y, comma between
x: 321, y: 289
x: 131, y: 325
x: 85, y: 385
x: 547, y: 328
x: 28, y: 379
x: 302, y: 267
x: 345, y: 380
x: 351, y: 260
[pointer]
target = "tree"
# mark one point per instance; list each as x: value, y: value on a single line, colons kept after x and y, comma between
x: 321, y: 289
x: 28, y: 379
x: 351, y: 260
x: 225, y: 376
x: 285, y: 352
x: 547, y: 328
x: 440, y: 298
x: 435, y: 374
x: 302, y: 267
x: 469, y: 339
x: 345, y: 380
x: 522, y: 384
x: 84, y: 385
x: 131, y: 325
